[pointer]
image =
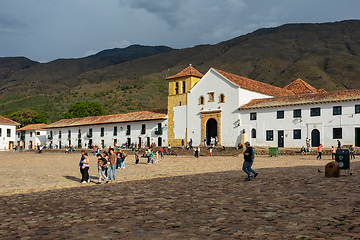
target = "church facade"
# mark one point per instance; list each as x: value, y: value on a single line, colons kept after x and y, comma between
x: 236, y: 109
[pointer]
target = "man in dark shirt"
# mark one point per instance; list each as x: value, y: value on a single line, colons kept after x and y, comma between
x: 248, y: 161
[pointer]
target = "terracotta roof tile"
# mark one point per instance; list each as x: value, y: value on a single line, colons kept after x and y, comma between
x: 33, y: 127
x: 255, y: 86
x: 4, y: 120
x: 301, y: 87
x: 117, y: 118
x: 189, y: 71
x: 303, y: 99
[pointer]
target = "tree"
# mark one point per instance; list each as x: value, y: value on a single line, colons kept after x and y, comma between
x: 27, y: 117
x: 82, y: 109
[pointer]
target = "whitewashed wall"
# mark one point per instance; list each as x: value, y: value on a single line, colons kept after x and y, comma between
x: 4, y: 139
x: 235, y: 96
x: 109, y: 138
x: 267, y: 120
x: 37, y: 140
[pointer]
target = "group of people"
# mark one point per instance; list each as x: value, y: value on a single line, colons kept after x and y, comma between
x: 107, y: 163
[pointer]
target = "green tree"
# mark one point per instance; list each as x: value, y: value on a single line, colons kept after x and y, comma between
x: 82, y: 109
x: 27, y: 117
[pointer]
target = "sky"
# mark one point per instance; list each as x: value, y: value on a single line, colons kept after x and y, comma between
x: 45, y: 30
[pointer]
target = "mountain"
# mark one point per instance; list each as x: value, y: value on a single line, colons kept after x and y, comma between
x: 324, y: 55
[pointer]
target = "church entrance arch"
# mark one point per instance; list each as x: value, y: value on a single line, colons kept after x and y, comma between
x: 210, y: 126
x: 211, y: 130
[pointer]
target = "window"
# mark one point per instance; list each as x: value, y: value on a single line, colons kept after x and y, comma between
x: 102, y: 132
x: 221, y: 98
x: 253, y: 116
x: 128, y: 129
x: 211, y: 97
x: 37, y: 133
x: 30, y: 134
x: 269, y: 135
x: 59, y: 134
x: 0, y: 132
x: 143, y: 129
x: 115, y: 131
x: 297, y: 113
x: 314, y: 112
x: 183, y: 87
x: 201, y: 100
x: 8, y: 132
x: 337, y: 110
x: 79, y: 133
x: 253, y: 133
x: 280, y: 114
x: 337, y: 133
x: 69, y: 134
x: 297, y: 133
x: 177, y: 88
x: 357, y: 108
x: 90, y: 133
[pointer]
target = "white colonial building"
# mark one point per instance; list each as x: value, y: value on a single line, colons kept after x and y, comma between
x: 236, y: 109
x: 31, y: 136
x: 145, y: 127
x: 7, y: 133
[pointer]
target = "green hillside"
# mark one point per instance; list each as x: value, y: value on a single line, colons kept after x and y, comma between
x: 324, y: 55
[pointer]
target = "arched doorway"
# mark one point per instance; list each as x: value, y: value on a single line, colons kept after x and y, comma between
x: 211, y: 129
x: 315, y: 138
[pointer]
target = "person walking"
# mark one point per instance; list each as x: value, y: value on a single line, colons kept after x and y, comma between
x: 338, y: 144
x: 248, y: 162
x: 333, y: 151
x: 162, y: 153
x: 136, y: 156
x: 352, y: 152
x: 102, y: 162
x: 319, y: 151
x: 112, y: 166
x: 123, y: 159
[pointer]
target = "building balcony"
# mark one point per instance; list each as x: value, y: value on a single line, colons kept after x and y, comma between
x: 50, y: 137
x: 127, y: 132
x: 143, y: 131
x: 89, y: 135
x: 158, y: 132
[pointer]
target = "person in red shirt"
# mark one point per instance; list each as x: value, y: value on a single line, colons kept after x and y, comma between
x: 319, y: 151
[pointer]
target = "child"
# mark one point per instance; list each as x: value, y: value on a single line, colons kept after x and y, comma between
x: 211, y: 152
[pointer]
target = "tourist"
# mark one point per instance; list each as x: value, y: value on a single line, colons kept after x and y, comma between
x: 352, y: 152
x: 112, y: 166
x: 119, y: 160
x: 319, y: 151
x: 123, y: 159
x: 211, y: 149
x: 190, y: 142
x: 162, y: 151
x: 338, y: 144
x: 106, y: 156
x: 205, y: 141
x: 102, y: 166
x: 302, y: 150
x: 182, y: 143
x: 82, y: 166
x: 198, y: 151
x: 333, y: 151
x: 136, y: 156
x: 169, y: 149
x: 239, y: 146
x: 248, y: 162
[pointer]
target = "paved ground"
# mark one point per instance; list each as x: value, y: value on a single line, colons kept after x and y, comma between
x: 180, y: 198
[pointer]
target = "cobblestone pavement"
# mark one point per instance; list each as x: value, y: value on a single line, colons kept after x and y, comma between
x: 294, y: 202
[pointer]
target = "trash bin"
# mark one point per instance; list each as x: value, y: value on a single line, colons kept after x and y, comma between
x: 342, y: 156
x: 273, y: 151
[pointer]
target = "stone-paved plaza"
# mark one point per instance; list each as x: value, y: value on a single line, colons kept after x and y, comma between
x: 179, y: 198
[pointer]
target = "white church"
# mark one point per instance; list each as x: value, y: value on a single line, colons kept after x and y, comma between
x: 235, y: 109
